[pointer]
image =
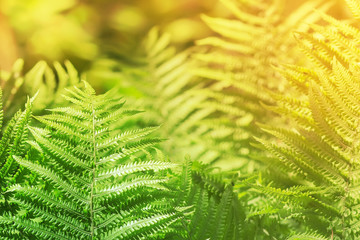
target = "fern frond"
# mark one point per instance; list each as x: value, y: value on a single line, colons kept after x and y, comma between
x: 78, y: 202
x: 354, y: 6
x: 307, y: 236
x: 13, y: 139
x: 209, y: 94
x: 321, y: 151
x: 216, y: 212
x: 238, y: 62
x: 41, y: 78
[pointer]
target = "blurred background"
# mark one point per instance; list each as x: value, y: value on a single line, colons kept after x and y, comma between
x: 80, y: 30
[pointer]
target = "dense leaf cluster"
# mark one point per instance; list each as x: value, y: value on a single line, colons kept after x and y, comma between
x: 285, y: 137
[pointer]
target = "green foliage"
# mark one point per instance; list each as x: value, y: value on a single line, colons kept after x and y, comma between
x: 307, y: 236
x: 160, y: 81
x: 217, y: 213
x: 317, y: 152
x: 94, y: 184
x: 13, y: 138
x: 209, y: 95
x: 208, y: 99
x: 41, y: 79
x: 236, y: 66
x: 91, y: 170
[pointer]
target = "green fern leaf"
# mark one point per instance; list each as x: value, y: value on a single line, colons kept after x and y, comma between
x: 320, y: 151
x: 81, y: 200
x: 13, y: 139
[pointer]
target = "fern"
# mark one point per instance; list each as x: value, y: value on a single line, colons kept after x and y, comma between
x: 206, y: 97
x: 13, y: 139
x: 211, y: 116
x: 237, y: 65
x: 217, y: 213
x: 307, y: 236
x: 209, y: 94
x: 318, y: 150
x: 96, y: 183
x: 41, y: 79
x: 162, y: 83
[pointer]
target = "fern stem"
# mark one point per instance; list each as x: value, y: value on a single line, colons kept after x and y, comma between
x: 92, y: 229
